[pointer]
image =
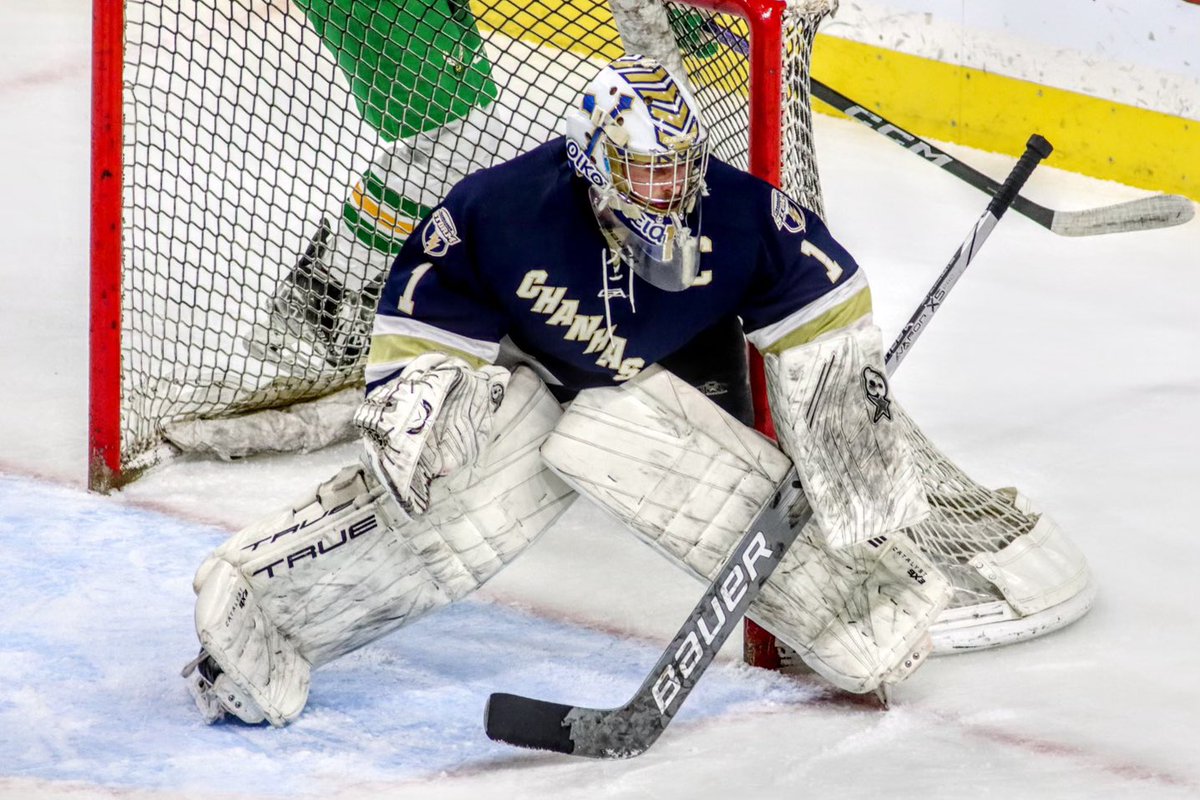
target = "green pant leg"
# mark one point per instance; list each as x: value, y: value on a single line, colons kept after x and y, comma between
x: 413, y: 65
x: 418, y: 70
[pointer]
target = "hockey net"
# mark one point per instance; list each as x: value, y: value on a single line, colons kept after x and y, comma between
x: 245, y: 124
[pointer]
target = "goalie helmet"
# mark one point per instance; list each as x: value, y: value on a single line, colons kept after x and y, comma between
x: 636, y: 136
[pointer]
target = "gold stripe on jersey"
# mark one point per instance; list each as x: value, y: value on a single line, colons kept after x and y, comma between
x: 396, y: 349
x: 396, y: 341
x: 391, y: 352
x: 843, y: 315
x: 810, y: 316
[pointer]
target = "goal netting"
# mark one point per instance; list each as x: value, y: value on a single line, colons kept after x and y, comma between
x: 257, y: 135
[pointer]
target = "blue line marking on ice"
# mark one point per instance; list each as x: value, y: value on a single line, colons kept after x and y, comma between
x: 97, y: 624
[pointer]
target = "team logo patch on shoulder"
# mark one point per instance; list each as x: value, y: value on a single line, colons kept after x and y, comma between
x: 787, y: 215
x: 440, y: 234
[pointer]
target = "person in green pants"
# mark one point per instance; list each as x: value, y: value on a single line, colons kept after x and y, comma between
x: 421, y: 78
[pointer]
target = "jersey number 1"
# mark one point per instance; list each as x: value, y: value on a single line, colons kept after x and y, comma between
x: 406, y: 300
x: 831, y: 267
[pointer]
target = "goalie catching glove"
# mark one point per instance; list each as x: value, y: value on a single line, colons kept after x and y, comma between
x: 427, y: 423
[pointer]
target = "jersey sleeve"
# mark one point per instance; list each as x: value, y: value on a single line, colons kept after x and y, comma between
x: 806, y: 284
x: 436, y: 298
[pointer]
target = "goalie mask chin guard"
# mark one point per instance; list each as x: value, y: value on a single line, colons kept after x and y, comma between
x: 637, y: 138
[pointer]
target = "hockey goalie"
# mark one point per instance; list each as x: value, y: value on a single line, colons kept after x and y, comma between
x: 522, y: 355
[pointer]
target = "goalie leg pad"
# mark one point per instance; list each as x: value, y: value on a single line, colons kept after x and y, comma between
x: 832, y: 410
x: 345, y: 568
x: 860, y: 615
x: 688, y: 479
x: 667, y: 462
x: 261, y: 675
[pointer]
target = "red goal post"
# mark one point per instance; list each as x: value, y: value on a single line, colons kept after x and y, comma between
x: 104, y: 395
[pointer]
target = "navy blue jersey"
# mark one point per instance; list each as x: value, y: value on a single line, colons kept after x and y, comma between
x: 515, y: 251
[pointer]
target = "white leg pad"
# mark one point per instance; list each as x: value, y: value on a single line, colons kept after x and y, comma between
x: 668, y: 463
x: 860, y: 615
x: 264, y: 676
x: 689, y: 479
x: 829, y: 400
x: 343, y: 568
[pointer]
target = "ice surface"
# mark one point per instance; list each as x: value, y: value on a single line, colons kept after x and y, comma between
x: 1067, y: 367
x: 95, y: 633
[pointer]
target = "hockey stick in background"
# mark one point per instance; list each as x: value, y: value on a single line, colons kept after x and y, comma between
x: 1145, y: 213
x: 1159, y: 211
x: 631, y: 729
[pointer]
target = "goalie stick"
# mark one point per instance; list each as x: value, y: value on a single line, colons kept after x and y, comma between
x: 1036, y: 149
x: 630, y: 730
x: 1145, y: 213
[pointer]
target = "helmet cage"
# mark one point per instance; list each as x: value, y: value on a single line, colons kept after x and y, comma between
x: 661, y: 183
x: 637, y: 138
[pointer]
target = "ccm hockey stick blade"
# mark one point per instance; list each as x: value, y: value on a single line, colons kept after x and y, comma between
x: 1145, y: 213
x: 1159, y: 211
x: 631, y: 729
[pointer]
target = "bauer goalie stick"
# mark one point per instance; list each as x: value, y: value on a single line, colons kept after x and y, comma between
x: 631, y: 729
x: 1145, y: 213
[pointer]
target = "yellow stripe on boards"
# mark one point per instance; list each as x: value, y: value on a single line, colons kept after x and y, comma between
x: 1092, y: 136
x: 1095, y: 137
x: 583, y: 27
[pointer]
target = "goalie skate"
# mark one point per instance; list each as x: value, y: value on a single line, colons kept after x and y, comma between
x: 1010, y: 585
x: 215, y: 695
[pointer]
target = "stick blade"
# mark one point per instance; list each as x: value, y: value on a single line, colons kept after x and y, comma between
x: 624, y: 732
x: 1146, y: 213
x: 525, y: 722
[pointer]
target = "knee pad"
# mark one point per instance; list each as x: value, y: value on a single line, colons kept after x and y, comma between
x: 689, y: 480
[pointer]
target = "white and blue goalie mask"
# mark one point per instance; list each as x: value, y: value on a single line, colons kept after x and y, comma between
x: 637, y: 138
